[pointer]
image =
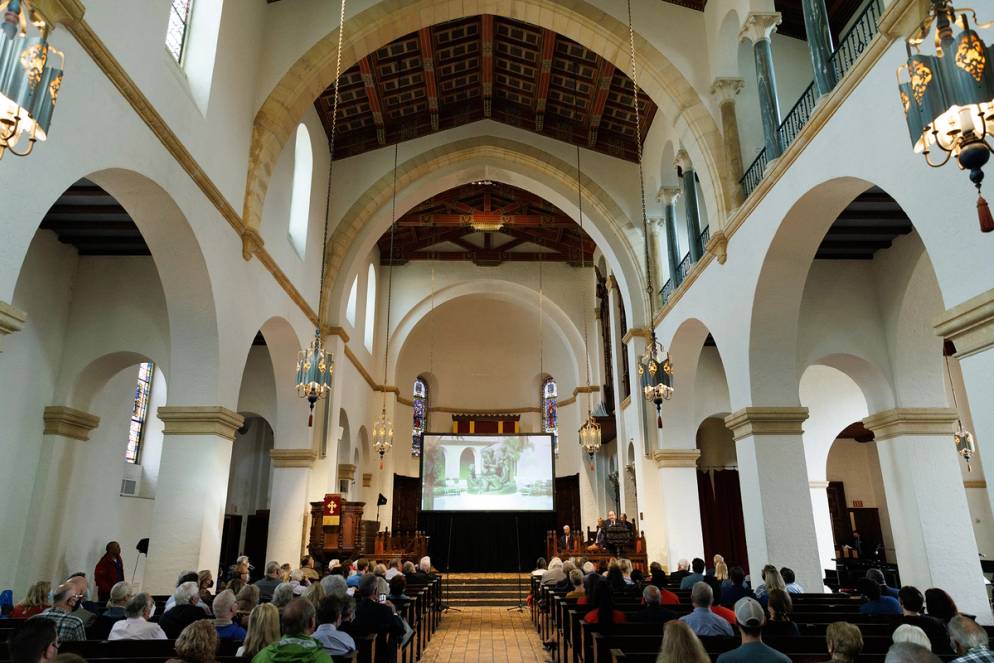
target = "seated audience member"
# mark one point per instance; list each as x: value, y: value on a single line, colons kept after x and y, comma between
x: 185, y: 612
x: 409, y: 569
x: 907, y: 652
x: 771, y: 580
x: 702, y: 621
x: 263, y: 630
x: 626, y: 570
x: 380, y: 570
x: 329, y: 616
x: 186, y: 576
x: 681, y: 645
x: 285, y: 571
x: 225, y: 609
x: 334, y: 585
x: 315, y: 593
x: 268, y: 584
x: 34, y: 602
x: 877, y: 576
x: 940, y: 605
x: 750, y: 616
x: 657, y: 576
x: 282, y: 595
x: 396, y: 595
x: 307, y: 570
x: 135, y: 625
x: 34, y: 641
x: 424, y: 575
x: 197, y: 643
x: 844, y: 642
x: 554, y: 575
x: 682, y: 570
x: 394, y: 568
x: 790, y: 581
x: 297, y: 644
x: 912, y: 602
x: 716, y: 606
x: 735, y: 588
x: 81, y: 586
x: 120, y: 595
x: 604, y: 612
x: 616, y: 580
x: 371, y: 616
x: 969, y: 640
x: 205, y: 581
x: 67, y: 625
x: 109, y: 571
x: 361, y: 566
x: 576, y: 584
x: 875, y: 603
x: 779, y: 607
x: 248, y: 598
x: 653, y: 612
x: 912, y: 634
x: 697, y: 576
x: 236, y: 585
x: 720, y: 569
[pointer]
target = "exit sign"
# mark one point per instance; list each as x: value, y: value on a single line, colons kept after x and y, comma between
x: 857, y: 504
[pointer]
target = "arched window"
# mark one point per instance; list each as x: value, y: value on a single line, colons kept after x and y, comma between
x: 300, y: 196
x: 550, y: 410
x: 350, y: 306
x: 419, y: 423
x: 178, y: 27
x: 139, y: 411
x: 370, y: 308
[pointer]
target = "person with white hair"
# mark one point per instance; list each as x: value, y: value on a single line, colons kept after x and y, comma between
x: 334, y: 585
x: 282, y: 595
x: 909, y: 633
x: 135, y: 625
x: 682, y: 571
x: 185, y: 612
x: 969, y: 640
x: 555, y: 574
x: 424, y: 573
x: 909, y: 652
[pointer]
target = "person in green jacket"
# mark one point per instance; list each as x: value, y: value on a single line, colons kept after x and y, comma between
x: 296, y: 645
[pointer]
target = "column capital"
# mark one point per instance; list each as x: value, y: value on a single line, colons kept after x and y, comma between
x: 200, y: 420
x: 682, y: 161
x: 970, y: 325
x: 724, y: 88
x: 346, y: 471
x: 916, y: 421
x: 657, y: 221
x: 11, y: 319
x: 292, y: 457
x: 759, y: 26
x: 676, y: 457
x: 668, y: 194
x: 69, y: 422
x: 766, y: 421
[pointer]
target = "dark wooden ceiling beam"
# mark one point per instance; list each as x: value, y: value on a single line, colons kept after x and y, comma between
x: 510, y: 220
x: 874, y: 215
x: 428, y: 67
x: 373, y: 96
x: 603, y: 75
x: 487, y: 62
x: 544, y: 69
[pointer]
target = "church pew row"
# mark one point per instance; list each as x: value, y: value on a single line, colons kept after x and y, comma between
x: 618, y: 656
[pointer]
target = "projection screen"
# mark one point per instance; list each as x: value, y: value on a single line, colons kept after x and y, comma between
x: 487, y: 473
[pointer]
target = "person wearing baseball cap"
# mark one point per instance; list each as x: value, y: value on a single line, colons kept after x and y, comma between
x: 750, y: 617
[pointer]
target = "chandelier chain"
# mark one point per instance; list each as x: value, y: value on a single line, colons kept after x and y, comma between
x: 541, y: 323
x: 638, y: 145
x: 431, y: 325
x: 393, y: 225
x: 583, y: 300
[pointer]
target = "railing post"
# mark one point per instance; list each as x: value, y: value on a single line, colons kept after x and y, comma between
x: 686, y: 173
x: 819, y: 44
x: 758, y: 28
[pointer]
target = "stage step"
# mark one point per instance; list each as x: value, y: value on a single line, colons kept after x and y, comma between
x: 466, y: 590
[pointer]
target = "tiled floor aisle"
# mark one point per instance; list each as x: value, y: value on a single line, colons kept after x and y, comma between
x: 486, y: 635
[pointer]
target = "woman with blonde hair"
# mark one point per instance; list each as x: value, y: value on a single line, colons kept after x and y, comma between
x: 844, y: 641
x: 720, y: 569
x: 197, y: 643
x: 248, y: 598
x: 34, y: 602
x: 681, y: 645
x: 263, y: 630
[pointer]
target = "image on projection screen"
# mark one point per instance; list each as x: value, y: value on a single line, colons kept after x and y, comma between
x: 487, y: 473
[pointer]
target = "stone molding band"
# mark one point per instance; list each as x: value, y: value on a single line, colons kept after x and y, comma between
x: 200, y: 420
x: 912, y: 421
x: 766, y: 421
x: 970, y: 325
x: 346, y: 472
x: 11, y: 320
x: 69, y: 422
x: 676, y: 457
x: 292, y: 457
x: 822, y: 485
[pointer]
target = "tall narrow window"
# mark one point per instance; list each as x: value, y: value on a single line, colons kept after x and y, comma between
x: 300, y: 196
x: 353, y: 295
x: 370, y: 308
x: 179, y: 26
x: 139, y: 411
x: 419, y: 424
x: 550, y: 411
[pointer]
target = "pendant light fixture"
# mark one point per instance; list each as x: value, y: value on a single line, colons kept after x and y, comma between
x: 655, y: 369
x: 962, y: 438
x: 315, y: 365
x: 383, y: 426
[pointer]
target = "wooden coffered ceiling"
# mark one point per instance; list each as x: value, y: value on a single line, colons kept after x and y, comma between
x: 90, y: 219
x: 485, y: 67
x: 871, y: 222
x: 487, y: 223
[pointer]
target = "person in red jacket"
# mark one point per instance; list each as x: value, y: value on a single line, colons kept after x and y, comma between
x: 110, y: 570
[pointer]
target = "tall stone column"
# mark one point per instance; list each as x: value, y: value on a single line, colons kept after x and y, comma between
x: 929, y: 514
x: 681, y: 511
x: 188, y: 515
x: 11, y: 320
x: 724, y: 90
x: 758, y: 28
x: 776, y: 496
x: 288, y: 503
x: 819, y: 44
x: 693, y: 214
x: 668, y: 196
x: 655, y: 225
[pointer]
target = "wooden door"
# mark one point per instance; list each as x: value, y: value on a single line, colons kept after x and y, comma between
x: 568, y: 503
x: 839, y: 513
x: 867, y: 522
x: 231, y: 535
x: 256, y: 535
x: 406, y: 501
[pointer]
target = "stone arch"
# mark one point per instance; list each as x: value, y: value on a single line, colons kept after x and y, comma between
x: 92, y: 378
x: 464, y: 161
x: 314, y: 71
x: 291, y: 412
x: 725, y: 50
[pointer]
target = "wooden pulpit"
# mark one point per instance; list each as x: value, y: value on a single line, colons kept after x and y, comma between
x: 339, y: 539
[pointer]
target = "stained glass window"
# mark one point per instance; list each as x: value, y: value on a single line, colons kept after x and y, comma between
x: 550, y: 406
x: 419, y: 423
x: 139, y: 411
x: 179, y: 24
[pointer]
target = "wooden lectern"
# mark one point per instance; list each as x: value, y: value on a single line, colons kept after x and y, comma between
x: 341, y: 536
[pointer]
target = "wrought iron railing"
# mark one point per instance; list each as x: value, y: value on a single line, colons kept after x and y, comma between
x: 705, y: 236
x: 798, y: 116
x: 684, y: 267
x: 754, y: 173
x: 854, y: 42
x: 666, y: 292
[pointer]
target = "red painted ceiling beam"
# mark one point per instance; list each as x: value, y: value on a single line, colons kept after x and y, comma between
x: 487, y: 74
x: 373, y: 95
x: 603, y: 75
x: 428, y: 65
x: 455, y: 220
x: 544, y: 77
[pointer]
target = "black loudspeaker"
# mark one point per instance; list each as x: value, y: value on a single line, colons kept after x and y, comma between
x: 142, y: 546
x: 380, y: 501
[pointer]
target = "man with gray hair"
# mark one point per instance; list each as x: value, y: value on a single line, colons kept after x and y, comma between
x: 908, y: 652
x: 185, y: 576
x: 225, y: 609
x: 702, y: 621
x: 268, y: 584
x: 554, y: 575
x: 682, y: 571
x: 653, y: 612
x: 186, y: 611
x: 969, y: 640
x: 135, y: 625
x: 334, y: 585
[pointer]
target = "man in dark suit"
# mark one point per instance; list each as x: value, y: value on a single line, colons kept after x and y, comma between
x: 653, y: 612
x: 600, y: 538
x: 567, y: 542
x: 371, y: 616
x: 185, y: 612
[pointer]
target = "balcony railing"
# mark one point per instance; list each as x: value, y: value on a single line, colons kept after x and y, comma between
x: 851, y: 46
x: 705, y: 236
x: 684, y: 267
x: 666, y: 292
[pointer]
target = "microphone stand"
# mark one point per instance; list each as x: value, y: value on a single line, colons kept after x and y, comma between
x: 448, y: 565
x: 517, y: 540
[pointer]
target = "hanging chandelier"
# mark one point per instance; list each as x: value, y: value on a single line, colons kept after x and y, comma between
x: 29, y: 83
x: 315, y: 365
x: 382, y: 434
x: 948, y: 97
x: 655, y: 369
x: 590, y: 438
x: 383, y: 426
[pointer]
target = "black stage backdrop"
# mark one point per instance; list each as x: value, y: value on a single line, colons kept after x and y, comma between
x: 485, y: 541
